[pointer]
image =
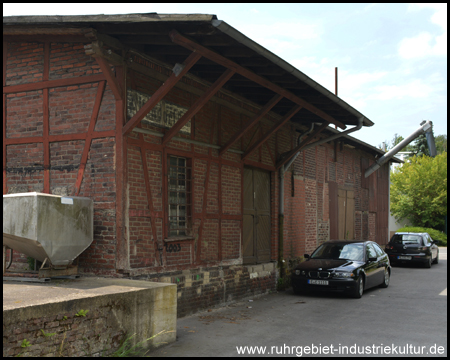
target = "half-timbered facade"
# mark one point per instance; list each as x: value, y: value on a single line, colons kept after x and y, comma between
x: 180, y: 129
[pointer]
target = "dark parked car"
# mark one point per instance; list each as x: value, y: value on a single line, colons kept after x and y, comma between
x: 410, y: 247
x: 343, y: 265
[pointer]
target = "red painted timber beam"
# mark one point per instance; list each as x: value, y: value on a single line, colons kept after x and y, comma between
x: 275, y: 128
x: 52, y: 84
x: 149, y: 196
x: 46, y: 120
x: 112, y: 81
x: 197, y: 106
x: 5, y: 186
x: 300, y: 146
x: 251, y: 122
x: 57, y: 138
x: 89, y: 136
x: 122, y: 244
x: 160, y: 93
x: 179, y: 39
x: 5, y: 56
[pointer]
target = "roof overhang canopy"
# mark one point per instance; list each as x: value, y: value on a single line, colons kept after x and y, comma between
x: 259, y: 75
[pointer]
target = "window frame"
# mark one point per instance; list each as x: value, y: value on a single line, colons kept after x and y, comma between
x: 183, y: 191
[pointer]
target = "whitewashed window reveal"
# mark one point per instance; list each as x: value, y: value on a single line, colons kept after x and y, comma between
x: 165, y: 114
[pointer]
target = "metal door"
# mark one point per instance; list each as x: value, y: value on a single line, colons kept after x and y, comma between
x: 256, y: 231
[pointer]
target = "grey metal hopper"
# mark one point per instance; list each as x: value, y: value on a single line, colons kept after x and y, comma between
x: 48, y: 226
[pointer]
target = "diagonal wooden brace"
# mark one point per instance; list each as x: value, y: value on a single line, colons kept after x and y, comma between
x: 274, y: 129
x: 179, y: 39
x: 195, y: 108
x: 160, y: 93
x: 110, y: 78
x: 251, y: 122
x: 87, y: 142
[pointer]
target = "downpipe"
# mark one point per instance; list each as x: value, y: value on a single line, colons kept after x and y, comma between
x: 281, y: 226
x: 283, y: 169
x: 323, y: 141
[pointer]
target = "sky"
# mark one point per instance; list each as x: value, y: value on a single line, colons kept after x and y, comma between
x: 391, y: 58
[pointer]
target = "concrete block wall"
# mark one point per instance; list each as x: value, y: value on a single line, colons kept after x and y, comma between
x: 66, y: 335
x: 54, y: 325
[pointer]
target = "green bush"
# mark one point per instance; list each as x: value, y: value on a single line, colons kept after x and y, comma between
x: 435, y: 234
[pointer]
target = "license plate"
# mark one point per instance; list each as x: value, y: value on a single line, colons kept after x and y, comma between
x: 404, y: 257
x: 318, y: 282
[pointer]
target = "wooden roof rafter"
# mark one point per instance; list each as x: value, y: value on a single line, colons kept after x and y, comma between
x: 251, y: 122
x: 197, y: 106
x: 181, y: 40
x: 274, y: 129
x: 160, y: 93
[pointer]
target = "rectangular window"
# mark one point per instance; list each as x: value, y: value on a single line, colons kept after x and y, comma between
x: 179, y: 188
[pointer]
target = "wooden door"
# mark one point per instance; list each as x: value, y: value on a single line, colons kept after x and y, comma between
x: 346, y: 214
x: 256, y: 222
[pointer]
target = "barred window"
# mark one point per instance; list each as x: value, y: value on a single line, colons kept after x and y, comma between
x: 179, y: 197
x: 165, y: 114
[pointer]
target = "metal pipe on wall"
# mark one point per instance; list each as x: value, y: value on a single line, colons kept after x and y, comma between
x: 283, y: 169
x: 281, y: 225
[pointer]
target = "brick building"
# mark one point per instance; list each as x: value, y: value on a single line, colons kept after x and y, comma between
x: 180, y: 129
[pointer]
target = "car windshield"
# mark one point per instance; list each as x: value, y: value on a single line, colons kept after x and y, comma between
x: 354, y: 252
x: 406, y: 239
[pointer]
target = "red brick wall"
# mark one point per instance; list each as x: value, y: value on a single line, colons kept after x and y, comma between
x: 69, y: 112
x: 215, y: 214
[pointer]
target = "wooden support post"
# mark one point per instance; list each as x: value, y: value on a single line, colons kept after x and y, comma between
x: 112, y: 81
x: 5, y: 59
x: 149, y: 195
x: 122, y: 255
x: 46, y: 127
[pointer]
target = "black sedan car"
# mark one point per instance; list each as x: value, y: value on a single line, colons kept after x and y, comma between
x: 407, y: 247
x: 343, y: 265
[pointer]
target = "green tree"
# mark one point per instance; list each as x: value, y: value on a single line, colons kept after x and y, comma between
x: 419, y: 191
x: 420, y: 147
x: 395, y: 140
x: 441, y: 144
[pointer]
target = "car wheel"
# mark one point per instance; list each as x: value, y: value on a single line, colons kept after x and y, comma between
x: 359, y: 288
x: 428, y: 263
x: 387, y: 278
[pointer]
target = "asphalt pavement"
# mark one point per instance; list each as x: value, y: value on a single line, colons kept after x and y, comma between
x: 409, y: 318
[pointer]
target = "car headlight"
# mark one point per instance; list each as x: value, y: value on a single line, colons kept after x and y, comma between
x: 343, y: 275
x: 297, y: 272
